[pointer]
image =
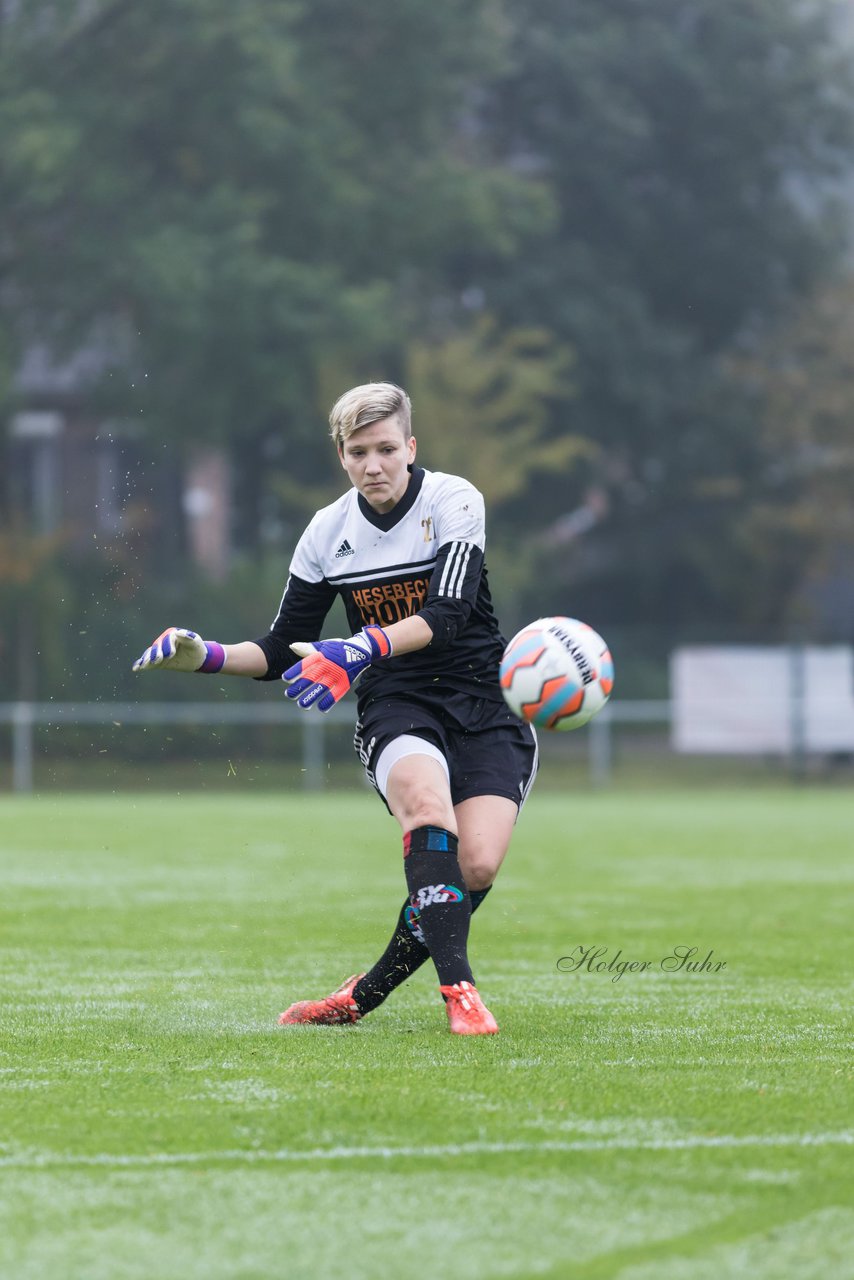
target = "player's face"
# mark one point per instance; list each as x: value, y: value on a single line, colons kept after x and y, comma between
x: 376, y: 460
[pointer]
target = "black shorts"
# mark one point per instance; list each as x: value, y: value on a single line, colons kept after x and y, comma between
x: 489, y: 751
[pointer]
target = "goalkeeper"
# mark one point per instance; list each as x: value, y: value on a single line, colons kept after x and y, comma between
x: 404, y: 549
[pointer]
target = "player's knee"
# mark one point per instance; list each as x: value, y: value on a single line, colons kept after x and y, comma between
x: 478, y: 872
x: 421, y: 803
x: 418, y: 795
x: 426, y: 811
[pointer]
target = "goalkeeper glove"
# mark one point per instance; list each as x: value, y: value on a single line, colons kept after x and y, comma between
x: 180, y: 650
x: 330, y: 667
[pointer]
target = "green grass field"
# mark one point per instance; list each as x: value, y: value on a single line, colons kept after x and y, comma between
x: 156, y: 1125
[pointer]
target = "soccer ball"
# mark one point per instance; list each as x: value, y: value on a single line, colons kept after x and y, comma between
x: 556, y: 673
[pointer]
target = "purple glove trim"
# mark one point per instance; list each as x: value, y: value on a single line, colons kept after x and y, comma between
x: 215, y: 661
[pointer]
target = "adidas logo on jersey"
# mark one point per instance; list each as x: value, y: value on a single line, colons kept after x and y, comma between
x: 344, y: 550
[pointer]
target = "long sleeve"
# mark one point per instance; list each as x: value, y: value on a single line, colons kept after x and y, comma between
x: 301, y: 615
x: 453, y: 592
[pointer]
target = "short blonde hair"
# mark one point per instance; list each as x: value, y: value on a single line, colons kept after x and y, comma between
x: 373, y: 401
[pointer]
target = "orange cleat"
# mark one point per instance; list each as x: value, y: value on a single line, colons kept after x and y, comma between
x: 335, y: 1009
x: 467, y: 1014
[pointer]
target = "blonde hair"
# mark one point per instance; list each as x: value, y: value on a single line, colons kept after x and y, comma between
x: 373, y: 401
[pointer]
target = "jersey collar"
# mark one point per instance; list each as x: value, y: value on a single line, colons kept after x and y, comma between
x: 386, y: 520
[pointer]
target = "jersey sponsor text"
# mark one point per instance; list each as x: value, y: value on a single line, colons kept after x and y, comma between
x: 388, y: 602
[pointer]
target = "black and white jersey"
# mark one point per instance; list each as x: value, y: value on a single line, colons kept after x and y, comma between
x: 426, y: 556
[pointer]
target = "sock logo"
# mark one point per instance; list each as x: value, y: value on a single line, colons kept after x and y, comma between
x: 412, y: 916
x: 433, y: 894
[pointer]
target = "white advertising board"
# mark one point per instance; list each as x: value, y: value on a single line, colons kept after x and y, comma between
x: 752, y: 699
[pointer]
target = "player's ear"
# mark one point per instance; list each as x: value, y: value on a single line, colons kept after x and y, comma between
x: 341, y: 457
x: 411, y: 445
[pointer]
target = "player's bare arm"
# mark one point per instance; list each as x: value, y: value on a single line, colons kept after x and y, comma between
x: 244, y: 659
x: 409, y: 635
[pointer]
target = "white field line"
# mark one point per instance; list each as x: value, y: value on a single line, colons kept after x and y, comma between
x: 38, y: 1160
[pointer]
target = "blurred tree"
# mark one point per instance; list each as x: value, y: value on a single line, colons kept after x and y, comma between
x: 237, y: 188
x: 803, y: 378
x: 243, y: 208
x: 490, y: 392
x: 483, y: 399
x: 33, y: 612
x: 689, y: 150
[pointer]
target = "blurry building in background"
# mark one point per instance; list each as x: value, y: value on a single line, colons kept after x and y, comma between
x: 207, y: 511
x: 92, y: 479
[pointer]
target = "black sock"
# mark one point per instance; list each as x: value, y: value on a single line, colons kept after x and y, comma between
x: 405, y: 953
x: 437, y: 889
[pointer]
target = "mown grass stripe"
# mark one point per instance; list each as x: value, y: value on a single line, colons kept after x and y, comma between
x: 439, y: 1151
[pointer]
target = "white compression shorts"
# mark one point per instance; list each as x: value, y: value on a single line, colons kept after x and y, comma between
x: 408, y: 744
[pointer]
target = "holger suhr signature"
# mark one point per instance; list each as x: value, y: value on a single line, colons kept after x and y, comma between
x: 681, y: 959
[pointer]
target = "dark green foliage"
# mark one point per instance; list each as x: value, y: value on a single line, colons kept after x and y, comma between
x: 688, y: 149
x: 244, y: 208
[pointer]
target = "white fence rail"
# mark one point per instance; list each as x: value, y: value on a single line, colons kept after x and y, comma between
x: 25, y: 717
